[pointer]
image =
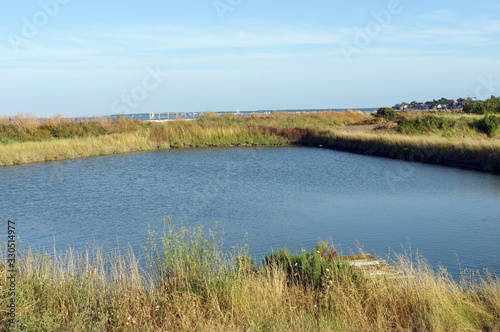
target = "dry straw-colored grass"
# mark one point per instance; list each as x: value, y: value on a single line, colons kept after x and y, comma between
x: 462, y: 146
x: 29, y: 152
x: 99, y: 291
x: 349, y: 116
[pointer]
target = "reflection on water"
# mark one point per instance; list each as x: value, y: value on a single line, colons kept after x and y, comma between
x: 286, y: 196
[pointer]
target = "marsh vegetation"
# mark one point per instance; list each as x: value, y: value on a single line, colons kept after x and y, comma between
x: 449, y: 138
x: 185, y: 282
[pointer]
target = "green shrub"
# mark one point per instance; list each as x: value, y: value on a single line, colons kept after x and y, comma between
x: 491, y: 105
x: 10, y: 133
x: 317, y: 269
x: 386, y: 113
x: 425, y: 124
x: 489, y: 125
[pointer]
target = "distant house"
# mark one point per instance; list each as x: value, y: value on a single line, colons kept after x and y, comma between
x: 422, y: 107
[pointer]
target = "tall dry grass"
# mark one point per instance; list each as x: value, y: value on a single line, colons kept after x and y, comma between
x: 28, y: 152
x: 461, y: 145
x: 481, y: 154
x: 347, y: 117
x: 189, y: 284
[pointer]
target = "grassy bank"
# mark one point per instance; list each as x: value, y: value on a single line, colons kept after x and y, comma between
x: 451, y: 139
x: 467, y: 153
x: 189, y: 284
x: 27, y: 141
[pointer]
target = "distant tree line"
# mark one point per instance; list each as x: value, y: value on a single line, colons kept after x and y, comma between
x: 440, y: 103
x: 488, y: 106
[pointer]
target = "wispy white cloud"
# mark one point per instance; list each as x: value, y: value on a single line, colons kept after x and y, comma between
x: 77, y: 40
x: 184, y: 38
x: 441, y: 15
x: 133, y: 47
x: 493, y: 25
x: 161, y: 42
x: 103, y: 61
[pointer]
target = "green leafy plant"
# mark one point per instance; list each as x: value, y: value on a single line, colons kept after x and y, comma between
x: 316, y: 269
x: 489, y: 125
x: 488, y: 106
x: 424, y: 124
x: 386, y: 113
x: 189, y: 257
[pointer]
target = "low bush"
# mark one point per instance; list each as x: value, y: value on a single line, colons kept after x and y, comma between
x: 491, y: 105
x: 386, y: 113
x: 424, y: 124
x: 27, y: 129
x: 316, y: 269
x: 489, y: 125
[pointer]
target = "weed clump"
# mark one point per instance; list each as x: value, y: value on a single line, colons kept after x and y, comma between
x: 424, y: 125
x: 489, y: 125
x: 316, y: 269
x: 386, y: 113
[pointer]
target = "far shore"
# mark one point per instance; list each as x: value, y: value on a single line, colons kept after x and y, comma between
x: 458, y: 144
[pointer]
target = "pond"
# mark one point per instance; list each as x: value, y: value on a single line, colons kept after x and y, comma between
x: 267, y: 197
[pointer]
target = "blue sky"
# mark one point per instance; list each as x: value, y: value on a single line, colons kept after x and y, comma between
x: 78, y: 58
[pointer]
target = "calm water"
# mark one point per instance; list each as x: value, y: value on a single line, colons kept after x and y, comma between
x: 287, y: 196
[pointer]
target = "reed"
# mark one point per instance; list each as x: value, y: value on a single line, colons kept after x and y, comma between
x: 59, y: 149
x: 188, y: 283
x: 452, y: 139
x: 468, y: 153
x: 29, y: 128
